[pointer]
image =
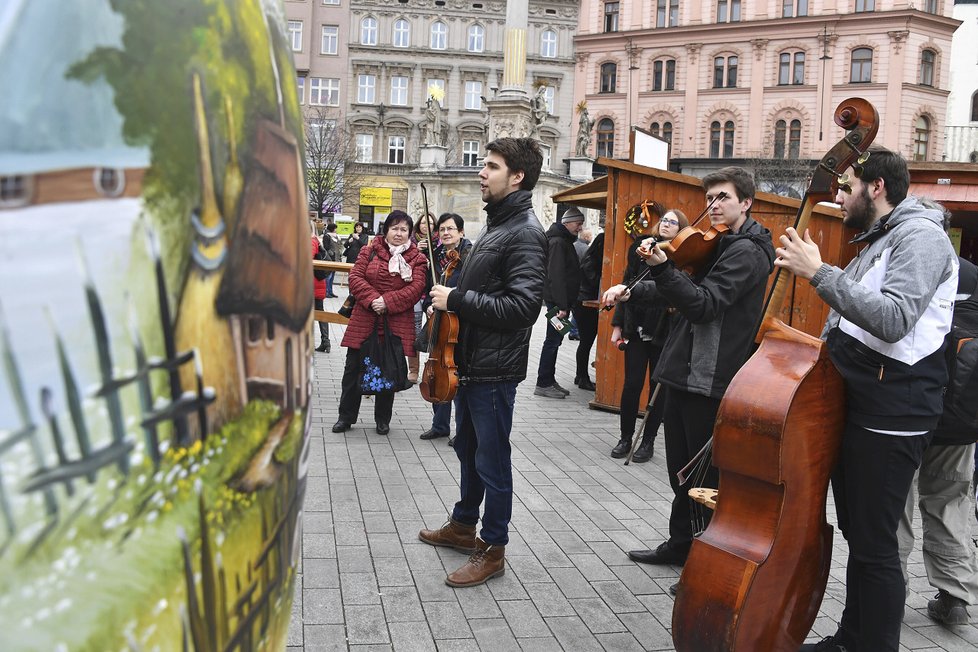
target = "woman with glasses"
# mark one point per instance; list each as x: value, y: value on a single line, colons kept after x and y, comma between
x: 641, y: 327
x: 451, y: 237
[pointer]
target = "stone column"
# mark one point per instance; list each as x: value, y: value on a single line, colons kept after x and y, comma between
x: 514, y: 49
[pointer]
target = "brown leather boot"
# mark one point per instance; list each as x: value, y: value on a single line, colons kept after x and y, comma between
x: 451, y: 535
x: 485, y: 563
x: 414, y: 365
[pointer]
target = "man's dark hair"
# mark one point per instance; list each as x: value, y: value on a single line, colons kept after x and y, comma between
x: 331, y: 227
x: 397, y: 216
x: 455, y: 217
x: 742, y: 180
x: 888, y: 166
x: 520, y: 154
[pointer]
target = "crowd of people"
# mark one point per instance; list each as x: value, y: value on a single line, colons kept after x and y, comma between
x: 687, y: 335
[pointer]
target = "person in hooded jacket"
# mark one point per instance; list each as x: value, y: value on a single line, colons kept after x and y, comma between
x: 387, y: 280
x: 891, y: 309
x: 560, y: 292
x: 319, y: 293
x: 710, y: 338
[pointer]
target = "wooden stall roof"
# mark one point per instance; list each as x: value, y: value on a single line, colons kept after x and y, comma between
x: 592, y: 194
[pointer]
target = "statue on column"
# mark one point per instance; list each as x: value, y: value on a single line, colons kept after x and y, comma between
x: 431, y: 127
x: 585, y: 124
x: 538, y: 108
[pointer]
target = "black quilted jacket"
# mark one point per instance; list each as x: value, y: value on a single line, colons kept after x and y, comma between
x: 500, y: 292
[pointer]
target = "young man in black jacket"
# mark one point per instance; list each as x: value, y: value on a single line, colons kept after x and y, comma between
x: 560, y: 292
x: 497, y: 298
x: 708, y: 341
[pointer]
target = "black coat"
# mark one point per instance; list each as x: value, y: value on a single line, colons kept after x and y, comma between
x: 646, y: 309
x: 591, y: 264
x: 719, y: 311
x: 499, y: 293
x: 354, y: 244
x: 563, y: 268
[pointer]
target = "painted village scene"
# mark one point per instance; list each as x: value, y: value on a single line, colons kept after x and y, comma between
x: 155, y: 311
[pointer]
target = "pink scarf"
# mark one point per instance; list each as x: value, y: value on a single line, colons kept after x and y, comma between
x: 397, y: 263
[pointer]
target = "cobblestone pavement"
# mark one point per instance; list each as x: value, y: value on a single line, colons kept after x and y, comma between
x: 367, y: 583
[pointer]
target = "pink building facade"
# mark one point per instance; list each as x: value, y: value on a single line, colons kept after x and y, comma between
x: 723, y: 79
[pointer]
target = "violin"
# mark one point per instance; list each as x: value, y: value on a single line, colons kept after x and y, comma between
x: 754, y: 579
x: 439, y: 380
x: 691, y: 249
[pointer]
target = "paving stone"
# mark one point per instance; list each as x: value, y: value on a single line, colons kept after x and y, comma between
x: 331, y: 638
x: 494, y: 634
x: 359, y: 588
x: 366, y: 625
x: 320, y: 574
x: 411, y: 637
x: 523, y: 619
x: 573, y: 634
x: 401, y: 604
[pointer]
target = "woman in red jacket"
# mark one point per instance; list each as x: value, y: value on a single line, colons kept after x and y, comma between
x: 387, y: 279
x: 319, y: 292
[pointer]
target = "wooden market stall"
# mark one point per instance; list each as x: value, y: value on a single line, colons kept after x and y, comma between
x: 628, y: 184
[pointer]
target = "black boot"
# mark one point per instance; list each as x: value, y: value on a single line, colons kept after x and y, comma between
x: 621, y: 450
x: 323, y: 346
x: 644, y: 452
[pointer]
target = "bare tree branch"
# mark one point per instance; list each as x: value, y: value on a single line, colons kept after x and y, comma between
x: 330, y: 146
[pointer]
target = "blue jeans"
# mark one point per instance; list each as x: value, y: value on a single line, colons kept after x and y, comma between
x: 329, y: 284
x: 546, y: 372
x: 484, y: 420
x: 441, y: 420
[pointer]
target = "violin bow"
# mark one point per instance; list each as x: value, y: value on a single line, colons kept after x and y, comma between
x: 431, y: 247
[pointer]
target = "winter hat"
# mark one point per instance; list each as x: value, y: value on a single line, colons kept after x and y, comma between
x: 572, y: 214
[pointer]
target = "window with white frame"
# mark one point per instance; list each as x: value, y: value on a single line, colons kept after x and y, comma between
x: 721, y: 139
x: 473, y: 95
x: 366, y: 89
x: 399, y: 90
x: 931, y: 6
x: 791, y: 68
x: 439, y: 36
x: 365, y: 148
x: 395, y: 149
x: 548, y: 44
x: 320, y: 130
x: 402, y: 33
x: 725, y: 72
x: 331, y: 39
x: 787, y: 134
x: 300, y: 88
x: 368, y: 31
x: 295, y: 35
x: 667, y: 13
x: 927, y: 59
x: 611, y: 16
x: 792, y: 8
x: 865, y: 5
x: 477, y: 38
x: 662, y: 130
x: 324, y: 92
x: 728, y: 11
x: 545, y: 151
x: 861, y: 66
x: 606, y: 138
x: 470, y: 153
x: 331, y: 2
x: 921, y: 138
x: 664, y: 75
x: 609, y: 77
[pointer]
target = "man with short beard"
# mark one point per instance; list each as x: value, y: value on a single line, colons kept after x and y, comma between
x: 891, y: 309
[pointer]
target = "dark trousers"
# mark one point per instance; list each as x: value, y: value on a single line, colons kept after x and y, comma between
x: 689, y: 420
x: 441, y: 417
x: 640, y: 360
x: 587, y: 331
x: 484, y: 420
x: 870, y: 486
x: 323, y: 326
x: 329, y: 283
x: 350, y: 395
x: 547, y: 370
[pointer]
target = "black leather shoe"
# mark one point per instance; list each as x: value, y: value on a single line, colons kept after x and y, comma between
x: 451, y: 442
x: 644, y: 452
x: 674, y: 589
x: 621, y: 450
x: 662, y: 555
x: 433, y: 434
x: 323, y: 346
x: 383, y: 428
x: 341, y: 425
x: 586, y: 384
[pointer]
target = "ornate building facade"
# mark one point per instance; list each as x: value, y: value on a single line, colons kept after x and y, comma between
x: 724, y: 80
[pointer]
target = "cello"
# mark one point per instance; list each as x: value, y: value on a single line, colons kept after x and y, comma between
x: 439, y: 380
x: 754, y: 578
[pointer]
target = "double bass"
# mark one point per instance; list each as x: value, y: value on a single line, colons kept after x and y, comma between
x: 754, y: 578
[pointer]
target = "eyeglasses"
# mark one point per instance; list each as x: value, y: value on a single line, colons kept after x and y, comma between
x: 669, y: 221
x: 447, y: 229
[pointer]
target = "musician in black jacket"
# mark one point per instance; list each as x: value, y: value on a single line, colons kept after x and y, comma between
x: 497, y: 299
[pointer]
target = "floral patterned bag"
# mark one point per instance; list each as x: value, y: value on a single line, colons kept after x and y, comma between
x: 383, y: 367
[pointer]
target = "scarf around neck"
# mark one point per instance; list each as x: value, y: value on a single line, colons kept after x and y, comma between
x: 397, y: 264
